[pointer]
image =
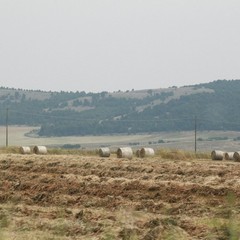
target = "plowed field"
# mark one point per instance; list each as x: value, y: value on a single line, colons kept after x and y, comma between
x: 88, y: 197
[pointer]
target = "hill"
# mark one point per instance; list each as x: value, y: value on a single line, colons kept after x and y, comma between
x: 214, y: 105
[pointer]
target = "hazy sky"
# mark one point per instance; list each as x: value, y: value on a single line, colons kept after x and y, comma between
x: 111, y: 45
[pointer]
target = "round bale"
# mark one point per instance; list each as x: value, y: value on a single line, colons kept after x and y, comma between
x: 125, y: 152
x: 147, y: 152
x: 229, y: 155
x: 104, y: 152
x: 217, y: 155
x: 40, y: 150
x: 236, y: 156
x: 25, y: 150
x: 138, y: 153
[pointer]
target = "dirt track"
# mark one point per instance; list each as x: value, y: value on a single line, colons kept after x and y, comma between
x: 77, y: 197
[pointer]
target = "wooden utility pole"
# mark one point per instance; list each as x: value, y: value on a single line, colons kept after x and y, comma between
x: 7, y: 127
x: 195, y: 131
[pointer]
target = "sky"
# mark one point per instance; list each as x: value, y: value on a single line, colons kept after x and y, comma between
x: 111, y: 45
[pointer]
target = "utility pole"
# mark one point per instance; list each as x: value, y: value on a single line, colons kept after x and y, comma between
x: 195, y: 131
x: 7, y: 127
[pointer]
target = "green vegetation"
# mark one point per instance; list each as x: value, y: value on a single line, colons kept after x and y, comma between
x: 71, y: 146
x: 217, y: 138
x: 214, y: 105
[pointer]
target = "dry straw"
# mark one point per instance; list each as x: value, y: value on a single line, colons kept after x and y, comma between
x: 147, y: 152
x: 217, y: 155
x: 25, y: 150
x: 40, y: 150
x: 104, y: 152
x: 125, y: 152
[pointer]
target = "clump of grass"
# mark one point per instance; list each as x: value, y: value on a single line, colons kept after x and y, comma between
x: 226, y: 224
x: 203, y: 155
x: 128, y: 234
x: 13, y: 149
x: 176, y: 154
x: 81, y: 152
x: 4, y: 221
x: 109, y: 236
x: 57, y: 151
x: 60, y: 229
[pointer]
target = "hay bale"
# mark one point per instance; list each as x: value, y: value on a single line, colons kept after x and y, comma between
x: 104, y: 152
x: 25, y: 150
x: 147, y: 152
x: 125, y: 152
x: 40, y: 150
x: 229, y: 155
x: 138, y: 152
x: 217, y: 155
x: 236, y: 156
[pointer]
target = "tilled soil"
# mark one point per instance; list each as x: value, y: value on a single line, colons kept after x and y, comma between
x: 88, y: 197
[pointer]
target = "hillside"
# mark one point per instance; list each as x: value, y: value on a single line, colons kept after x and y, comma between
x: 214, y: 105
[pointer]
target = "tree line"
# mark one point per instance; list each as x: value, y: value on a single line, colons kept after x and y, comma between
x: 80, y: 113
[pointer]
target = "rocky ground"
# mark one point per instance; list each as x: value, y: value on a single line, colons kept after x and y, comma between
x: 89, y: 197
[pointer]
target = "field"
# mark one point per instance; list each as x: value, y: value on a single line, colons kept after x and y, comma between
x: 173, y: 195
x: 206, y: 140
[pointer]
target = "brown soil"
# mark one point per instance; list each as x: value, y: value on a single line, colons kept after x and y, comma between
x: 76, y: 197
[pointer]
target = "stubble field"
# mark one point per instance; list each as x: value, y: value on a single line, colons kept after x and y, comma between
x: 206, y: 140
x: 89, y: 197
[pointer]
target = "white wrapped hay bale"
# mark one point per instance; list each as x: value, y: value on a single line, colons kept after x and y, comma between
x: 217, y: 155
x: 104, y: 152
x: 125, y: 152
x: 147, y: 152
x: 25, y: 150
x: 40, y: 150
x: 236, y: 156
x: 229, y: 155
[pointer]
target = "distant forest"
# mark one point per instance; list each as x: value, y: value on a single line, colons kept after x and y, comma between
x: 215, y: 105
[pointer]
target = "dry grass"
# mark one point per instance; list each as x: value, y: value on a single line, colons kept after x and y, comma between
x: 80, y: 152
x: 181, y: 154
x: 9, y: 149
x: 54, y: 151
x: 73, y: 196
x: 169, y: 154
